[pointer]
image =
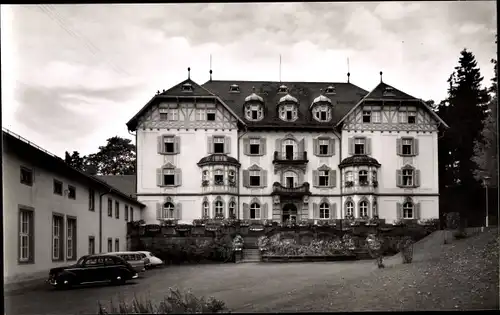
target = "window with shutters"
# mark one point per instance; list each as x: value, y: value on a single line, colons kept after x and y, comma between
x: 323, y: 146
x: 26, y: 236
x: 218, y: 144
x: 110, y: 245
x: 359, y: 146
x: 168, y: 211
x: 324, y: 211
x: 110, y: 207
x: 211, y: 114
x: 367, y: 116
x: 254, y: 211
x: 408, y: 210
x: 323, y: 178
x: 407, y: 146
x: 408, y: 176
x: 363, y: 178
x: 349, y: 209
x: 363, y: 209
x: 168, y: 177
x: 254, y: 146
x: 169, y: 144
x: 255, y: 179
x: 57, y: 237
x: 219, y: 209
x: 206, y: 209
x: 219, y: 177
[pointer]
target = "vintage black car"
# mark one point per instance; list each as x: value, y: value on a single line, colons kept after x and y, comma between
x: 91, y: 269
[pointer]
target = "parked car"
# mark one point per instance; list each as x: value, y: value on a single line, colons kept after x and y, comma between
x: 153, y: 260
x: 137, y: 260
x: 91, y: 269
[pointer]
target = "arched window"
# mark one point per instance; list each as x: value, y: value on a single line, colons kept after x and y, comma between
x: 363, y: 177
x: 219, y: 177
x: 254, y: 211
x: 290, y: 179
x: 374, y: 208
x: 206, y: 209
x: 219, y: 208
x: 232, y: 210
x: 408, y: 210
x: 349, y: 208
x: 168, y: 210
x: 324, y: 211
x: 363, y: 208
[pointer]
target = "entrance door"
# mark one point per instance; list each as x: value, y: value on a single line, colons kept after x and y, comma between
x: 289, y: 212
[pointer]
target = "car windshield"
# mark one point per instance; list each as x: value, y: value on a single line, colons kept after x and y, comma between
x: 80, y: 261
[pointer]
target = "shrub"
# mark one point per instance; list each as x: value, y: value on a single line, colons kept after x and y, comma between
x: 406, y: 248
x: 176, y: 302
x: 375, y: 249
x: 460, y: 234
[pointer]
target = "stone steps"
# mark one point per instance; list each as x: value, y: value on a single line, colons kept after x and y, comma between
x: 251, y: 255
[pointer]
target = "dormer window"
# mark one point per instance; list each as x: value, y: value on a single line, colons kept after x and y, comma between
x: 288, y: 112
x: 234, y: 88
x: 254, y: 112
x: 330, y: 90
x: 322, y: 113
x: 389, y: 91
x: 187, y: 87
x: 283, y: 89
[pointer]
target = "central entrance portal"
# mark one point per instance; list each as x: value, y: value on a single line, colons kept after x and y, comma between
x: 289, y: 212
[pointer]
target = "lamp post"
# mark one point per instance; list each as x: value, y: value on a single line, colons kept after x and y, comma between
x: 485, y: 182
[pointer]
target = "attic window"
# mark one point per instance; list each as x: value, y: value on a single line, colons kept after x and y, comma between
x: 330, y: 90
x: 187, y: 87
x: 389, y: 91
x: 234, y: 88
x: 283, y: 89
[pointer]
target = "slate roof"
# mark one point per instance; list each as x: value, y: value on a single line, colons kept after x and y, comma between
x: 347, y: 96
x: 218, y: 158
x: 355, y: 160
x: 124, y: 183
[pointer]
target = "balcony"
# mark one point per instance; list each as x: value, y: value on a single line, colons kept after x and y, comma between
x: 290, y: 157
x: 360, y: 187
x: 298, y: 191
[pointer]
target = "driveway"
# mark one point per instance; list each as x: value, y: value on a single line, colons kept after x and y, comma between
x: 241, y: 286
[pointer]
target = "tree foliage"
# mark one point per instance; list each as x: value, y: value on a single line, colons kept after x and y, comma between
x: 117, y: 157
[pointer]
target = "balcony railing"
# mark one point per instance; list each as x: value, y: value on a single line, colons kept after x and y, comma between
x: 287, y: 157
x: 298, y: 191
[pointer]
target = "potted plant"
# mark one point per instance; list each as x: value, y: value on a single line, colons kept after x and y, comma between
x: 219, y: 183
x: 232, y: 183
x: 349, y: 184
x: 204, y: 183
x: 375, y: 184
x: 363, y: 183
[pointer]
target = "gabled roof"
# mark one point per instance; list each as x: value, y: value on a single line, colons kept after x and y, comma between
x: 177, y: 91
x: 385, y: 92
x: 124, y: 183
x: 346, y: 96
x: 49, y: 161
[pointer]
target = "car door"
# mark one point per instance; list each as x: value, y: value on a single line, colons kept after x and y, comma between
x: 92, y: 269
x: 109, y: 269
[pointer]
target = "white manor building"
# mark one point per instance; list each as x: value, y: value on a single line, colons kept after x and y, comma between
x: 286, y: 151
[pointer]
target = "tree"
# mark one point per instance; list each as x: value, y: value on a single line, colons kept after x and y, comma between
x: 117, y: 157
x: 75, y: 160
x: 486, y: 149
x: 464, y: 111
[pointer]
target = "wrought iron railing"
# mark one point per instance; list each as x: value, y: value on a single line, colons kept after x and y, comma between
x: 279, y: 189
x: 290, y: 156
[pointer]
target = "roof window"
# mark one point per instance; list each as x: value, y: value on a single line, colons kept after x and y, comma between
x: 187, y: 87
x: 234, y: 88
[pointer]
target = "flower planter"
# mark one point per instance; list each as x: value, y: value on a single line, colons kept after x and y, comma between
x: 337, y: 257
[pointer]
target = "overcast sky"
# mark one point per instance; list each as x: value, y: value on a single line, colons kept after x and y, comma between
x: 73, y: 75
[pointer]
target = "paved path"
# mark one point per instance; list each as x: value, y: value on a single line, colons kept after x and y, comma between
x: 463, y: 270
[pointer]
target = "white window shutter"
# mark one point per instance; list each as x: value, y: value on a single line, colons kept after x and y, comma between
x: 227, y: 145
x: 315, y: 211
x: 246, y: 178
x: 399, y: 210
x: 417, y: 178
x: 417, y: 211
x: 302, y: 146
x: 399, y: 178
x: 368, y: 146
x: 263, y: 146
x: 332, y: 178
x: 263, y: 174
x: 265, y: 214
x: 350, y: 146
x: 159, y: 177
x: 178, y: 211
x: 415, y: 146
x: 210, y: 145
x: 399, y: 146
x: 333, y: 214
x: 158, y: 211
x: 315, y: 178
x: 246, y: 146
x: 278, y: 145
x: 178, y: 177
x: 315, y: 146
x: 246, y: 211
x: 177, y: 144
x: 331, y: 147
x: 160, y: 144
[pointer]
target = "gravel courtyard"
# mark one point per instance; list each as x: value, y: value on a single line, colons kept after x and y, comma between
x: 462, y: 275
